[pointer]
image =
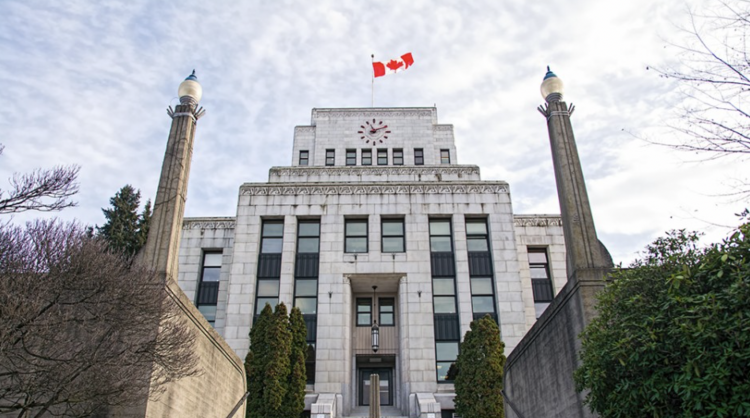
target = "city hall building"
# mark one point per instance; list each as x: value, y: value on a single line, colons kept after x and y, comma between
x: 390, y: 248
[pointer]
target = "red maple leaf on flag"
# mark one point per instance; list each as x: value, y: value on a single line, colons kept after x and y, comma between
x: 394, y: 65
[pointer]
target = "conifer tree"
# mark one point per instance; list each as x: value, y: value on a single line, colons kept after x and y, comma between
x: 480, y: 366
x: 125, y: 230
x: 295, y: 395
x: 255, y: 363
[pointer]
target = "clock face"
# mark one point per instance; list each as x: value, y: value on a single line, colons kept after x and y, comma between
x: 373, y: 132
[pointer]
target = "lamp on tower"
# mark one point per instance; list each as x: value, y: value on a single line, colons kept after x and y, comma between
x: 375, y: 330
x: 552, y: 87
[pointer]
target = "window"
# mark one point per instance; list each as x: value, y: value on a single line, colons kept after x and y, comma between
x: 482, y: 300
x: 393, y: 236
x: 269, y: 264
x: 366, y: 157
x: 304, y: 157
x: 398, y: 156
x: 445, y: 156
x: 440, y: 235
x: 308, y: 237
x: 418, y: 156
x: 476, y: 235
x: 446, y: 353
x: 271, y: 237
x: 382, y: 156
x: 208, y: 288
x: 306, y: 287
x: 355, y: 236
x: 364, y: 312
x: 330, y: 157
x: 386, y: 312
x: 540, y: 279
x: 351, y: 157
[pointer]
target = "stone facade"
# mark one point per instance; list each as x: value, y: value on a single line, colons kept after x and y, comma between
x: 461, y: 253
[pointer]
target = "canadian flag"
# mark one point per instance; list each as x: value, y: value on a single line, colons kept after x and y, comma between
x: 393, y: 66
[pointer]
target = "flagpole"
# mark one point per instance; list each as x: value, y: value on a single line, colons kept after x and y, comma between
x: 372, y: 90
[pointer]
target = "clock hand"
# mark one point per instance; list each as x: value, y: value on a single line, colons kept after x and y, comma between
x: 373, y: 130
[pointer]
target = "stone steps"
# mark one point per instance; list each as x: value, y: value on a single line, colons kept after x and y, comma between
x: 385, y: 412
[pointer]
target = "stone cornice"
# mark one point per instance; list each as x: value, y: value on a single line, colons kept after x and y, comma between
x: 537, y: 220
x: 375, y: 170
x: 444, y: 127
x: 208, y: 223
x: 277, y: 189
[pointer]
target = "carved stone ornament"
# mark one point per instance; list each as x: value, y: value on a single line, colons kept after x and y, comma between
x: 425, y: 188
x: 536, y: 220
x: 208, y: 223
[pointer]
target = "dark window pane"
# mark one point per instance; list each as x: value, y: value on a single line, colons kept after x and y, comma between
x: 271, y: 245
x: 477, y: 244
x: 209, y: 312
x: 440, y: 227
x: 364, y: 305
x: 440, y: 244
x: 354, y: 228
x: 398, y: 157
x: 351, y: 157
x: 262, y: 303
x: 537, y: 257
x: 303, y: 157
x: 363, y: 319
x: 212, y: 260
x: 356, y: 245
x: 481, y: 286
x: 447, y: 351
x: 275, y: 229
x: 444, y: 304
x: 393, y: 244
x: 307, y: 288
x: 307, y: 305
x: 211, y: 274
x: 418, y: 156
x: 268, y: 288
x: 445, y: 156
x: 309, y: 229
x: 476, y: 228
x: 391, y: 228
x: 482, y: 304
x: 308, y: 245
x: 386, y: 305
x: 539, y: 272
x: 442, y: 370
x: 443, y: 287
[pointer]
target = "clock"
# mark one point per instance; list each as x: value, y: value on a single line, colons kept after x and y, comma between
x: 373, y: 132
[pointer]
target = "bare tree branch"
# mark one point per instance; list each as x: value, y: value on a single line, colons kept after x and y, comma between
x: 82, y: 328
x: 42, y: 190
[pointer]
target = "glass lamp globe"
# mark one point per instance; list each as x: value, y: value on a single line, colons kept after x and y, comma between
x: 190, y: 91
x: 552, y: 87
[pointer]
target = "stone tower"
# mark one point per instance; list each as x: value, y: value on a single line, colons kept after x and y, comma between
x: 160, y: 251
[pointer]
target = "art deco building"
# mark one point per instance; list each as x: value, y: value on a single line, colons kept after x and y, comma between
x: 389, y: 247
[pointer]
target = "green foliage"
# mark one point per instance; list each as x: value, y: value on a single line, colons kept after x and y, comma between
x: 480, y: 367
x: 125, y: 230
x: 295, y: 395
x: 673, y: 334
x: 275, y: 365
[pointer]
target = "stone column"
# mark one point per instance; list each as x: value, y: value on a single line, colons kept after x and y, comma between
x: 588, y: 261
x: 161, y: 249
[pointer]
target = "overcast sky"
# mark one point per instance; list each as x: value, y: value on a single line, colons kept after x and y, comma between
x: 88, y: 82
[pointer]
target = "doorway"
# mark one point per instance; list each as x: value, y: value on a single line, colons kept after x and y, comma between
x: 386, y: 386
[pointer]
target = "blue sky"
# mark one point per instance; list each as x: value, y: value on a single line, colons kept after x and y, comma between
x: 88, y: 82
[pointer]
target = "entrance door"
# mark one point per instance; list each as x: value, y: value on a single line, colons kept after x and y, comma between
x: 386, y: 397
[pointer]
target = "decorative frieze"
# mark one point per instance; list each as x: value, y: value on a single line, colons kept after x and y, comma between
x: 373, y: 189
x: 441, y: 128
x: 208, y: 223
x: 467, y: 170
x: 537, y: 220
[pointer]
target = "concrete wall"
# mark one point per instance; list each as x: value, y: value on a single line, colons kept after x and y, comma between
x: 539, y: 372
x: 220, y: 384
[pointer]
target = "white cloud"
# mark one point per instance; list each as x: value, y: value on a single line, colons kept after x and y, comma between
x: 88, y: 83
